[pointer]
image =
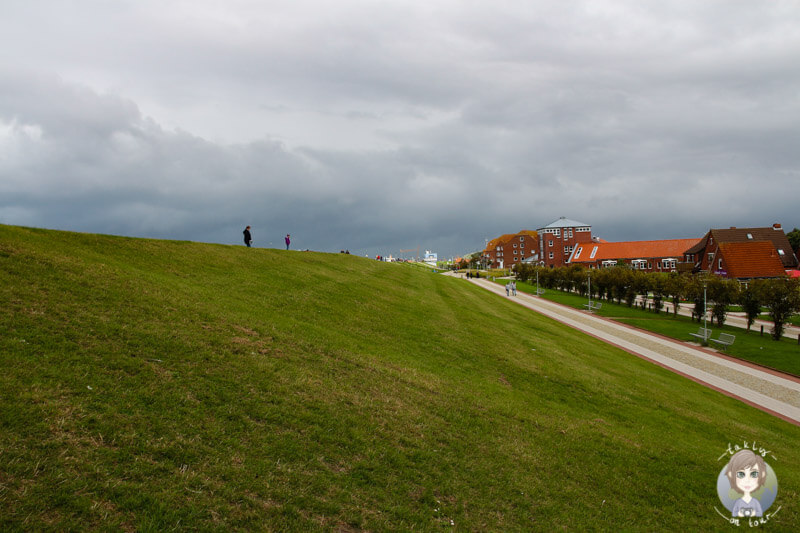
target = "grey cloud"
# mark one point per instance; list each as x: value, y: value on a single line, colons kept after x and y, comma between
x: 390, y: 125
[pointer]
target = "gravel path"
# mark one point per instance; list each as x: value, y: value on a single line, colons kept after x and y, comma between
x: 770, y: 391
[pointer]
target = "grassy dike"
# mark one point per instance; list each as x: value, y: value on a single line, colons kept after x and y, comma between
x: 160, y: 385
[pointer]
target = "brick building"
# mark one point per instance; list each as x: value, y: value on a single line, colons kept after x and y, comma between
x: 558, y: 240
x: 648, y: 256
x: 510, y: 249
x: 748, y: 260
x: 705, y: 254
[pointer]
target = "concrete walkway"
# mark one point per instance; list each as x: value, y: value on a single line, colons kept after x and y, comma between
x: 768, y: 390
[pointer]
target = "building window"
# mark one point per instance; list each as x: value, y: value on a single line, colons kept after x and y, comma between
x: 550, y: 243
x: 557, y: 232
x: 594, y: 253
x: 521, y: 239
x: 551, y: 255
x: 720, y: 264
x: 515, y: 245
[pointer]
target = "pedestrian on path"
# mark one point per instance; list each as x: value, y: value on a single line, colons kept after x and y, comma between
x: 508, y: 288
x: 514, y: 288
x: 288, y: 241
x: 247, y: 237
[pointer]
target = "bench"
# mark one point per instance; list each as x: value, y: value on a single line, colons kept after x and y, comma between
x: 593, y: 306
x: 702, y: 334
x: 724, y: 340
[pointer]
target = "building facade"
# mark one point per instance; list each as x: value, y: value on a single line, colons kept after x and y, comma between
x: 559, y: 239
x: 510, y: 249
x: 704, y: 255
x: 648, y: 256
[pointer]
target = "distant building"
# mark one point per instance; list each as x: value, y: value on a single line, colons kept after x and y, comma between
x: 748, y: 260
x: 558, y: 240
x: 509, y: 249
x: 706, y: 255
x: 430, y: 257
x: 649, y: 256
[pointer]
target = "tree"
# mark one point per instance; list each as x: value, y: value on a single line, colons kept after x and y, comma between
x: 723, y: 292
x: 658, y: 283
x: 524, y: 271
x: 623, y: 285
x: 694, y: 292
x: 781, y: 297
x: 677, y: 286
x: 750, y: 302
x: 641, y: 285
x: 794, y: 239
x: 601, y: 283
x: 573, y: 276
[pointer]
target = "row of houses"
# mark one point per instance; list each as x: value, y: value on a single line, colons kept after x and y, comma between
x: 741, y: 253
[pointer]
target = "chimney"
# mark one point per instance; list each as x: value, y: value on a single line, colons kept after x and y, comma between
x: 777, y: 227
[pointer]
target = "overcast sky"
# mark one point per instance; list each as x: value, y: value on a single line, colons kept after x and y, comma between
x: 382, y: 125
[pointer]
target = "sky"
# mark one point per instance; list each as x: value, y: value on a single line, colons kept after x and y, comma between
x: 377, y: 126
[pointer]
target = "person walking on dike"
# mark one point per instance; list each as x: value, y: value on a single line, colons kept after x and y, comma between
x: 514, y: 288
x: 247, y: 237
x: 288, y: 241
x: 508, y: 288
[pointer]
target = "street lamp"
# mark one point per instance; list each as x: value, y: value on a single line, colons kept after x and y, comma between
x: 589, y: 277
x: 539, y: 264
x: 705, y: 312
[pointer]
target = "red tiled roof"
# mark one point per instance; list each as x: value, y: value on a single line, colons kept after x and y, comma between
x: 774, y: 235
x: 502, y: 239
x: 754, y: 259
x: 631, y: 250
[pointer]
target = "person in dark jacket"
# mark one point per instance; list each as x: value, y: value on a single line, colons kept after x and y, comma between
x: 288, y: 241
x: 247, y: 238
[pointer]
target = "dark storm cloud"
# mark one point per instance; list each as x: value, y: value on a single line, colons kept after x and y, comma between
x: 387, y: 125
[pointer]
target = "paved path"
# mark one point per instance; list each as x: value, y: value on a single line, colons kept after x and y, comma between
x: 770, y: 391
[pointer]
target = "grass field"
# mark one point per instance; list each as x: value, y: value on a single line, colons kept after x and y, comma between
x: 160, y: 385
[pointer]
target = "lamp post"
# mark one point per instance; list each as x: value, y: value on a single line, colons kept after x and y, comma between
x: 589, y: 276
x: 705, y: 311
x: 539, y: 264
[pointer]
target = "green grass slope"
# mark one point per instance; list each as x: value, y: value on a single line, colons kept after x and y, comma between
x: 155, y: 386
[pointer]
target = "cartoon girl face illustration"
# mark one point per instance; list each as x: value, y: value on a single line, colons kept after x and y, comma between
x: 746, y: 473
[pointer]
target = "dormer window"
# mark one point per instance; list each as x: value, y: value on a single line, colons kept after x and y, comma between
x: 750, y: 236
x: 780, y: 251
